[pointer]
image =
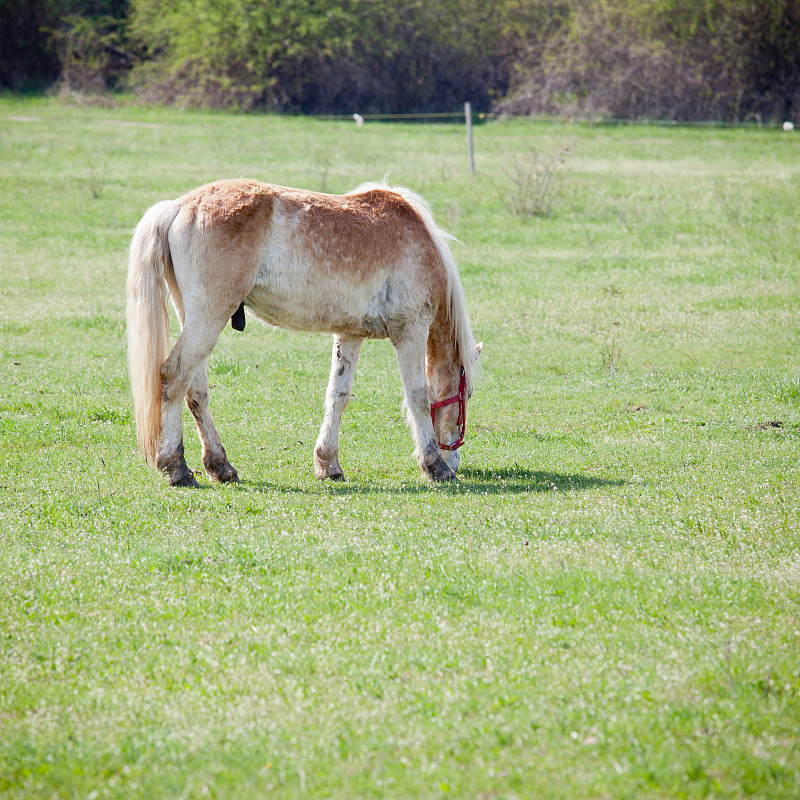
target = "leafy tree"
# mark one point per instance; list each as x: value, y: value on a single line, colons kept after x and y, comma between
x: 320, y: 55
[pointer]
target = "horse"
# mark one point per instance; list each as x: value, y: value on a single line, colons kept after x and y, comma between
x: 369, y: 264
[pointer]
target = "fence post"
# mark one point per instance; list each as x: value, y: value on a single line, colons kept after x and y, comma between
x: 468, y: 116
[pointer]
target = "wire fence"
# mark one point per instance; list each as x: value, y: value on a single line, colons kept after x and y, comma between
x: 471, y: 118
x: 478, y: 117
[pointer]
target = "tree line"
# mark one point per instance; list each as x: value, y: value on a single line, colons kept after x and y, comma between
x: 675, y: 59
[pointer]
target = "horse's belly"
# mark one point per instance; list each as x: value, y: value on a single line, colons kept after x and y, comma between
x: 293, y: 313
x: 327, y: 307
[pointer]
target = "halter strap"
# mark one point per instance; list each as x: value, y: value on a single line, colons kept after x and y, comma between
x: 461, y: 399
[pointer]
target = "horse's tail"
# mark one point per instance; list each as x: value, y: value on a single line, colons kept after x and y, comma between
x: 456, y: 302
x: 149, y: 261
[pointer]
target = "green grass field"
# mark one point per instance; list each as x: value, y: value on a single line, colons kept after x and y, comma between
x: 605, y: 606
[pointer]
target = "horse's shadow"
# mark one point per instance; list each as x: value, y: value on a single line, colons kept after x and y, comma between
x: 509, y: 480
x: 506, y: 480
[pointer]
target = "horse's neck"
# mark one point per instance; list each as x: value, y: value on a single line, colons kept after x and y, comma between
x: 442, y: 364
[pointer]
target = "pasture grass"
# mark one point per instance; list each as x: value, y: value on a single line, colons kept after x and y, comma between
x: 605, y: 605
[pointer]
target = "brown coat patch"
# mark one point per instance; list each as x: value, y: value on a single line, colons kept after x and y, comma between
x: 362, y: 232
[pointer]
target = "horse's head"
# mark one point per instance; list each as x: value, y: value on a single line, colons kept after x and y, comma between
x: 449, y: 415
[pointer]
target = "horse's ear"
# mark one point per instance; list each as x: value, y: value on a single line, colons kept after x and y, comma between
x: 478, y: 350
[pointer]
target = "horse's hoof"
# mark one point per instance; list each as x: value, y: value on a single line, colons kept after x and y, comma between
x: 184, y: 479
x: 334, y: 472
x: 441, y: 473
x: 219, y: 469
x: 227, y: 474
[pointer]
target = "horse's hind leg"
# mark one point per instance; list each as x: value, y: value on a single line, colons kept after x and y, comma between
x: 177, y: 374
x: 343, y: 369
x: 215, y: 460
x: 411, y: 361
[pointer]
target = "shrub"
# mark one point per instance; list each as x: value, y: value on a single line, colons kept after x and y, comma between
x: 533, y: 182
x: 674, y: 59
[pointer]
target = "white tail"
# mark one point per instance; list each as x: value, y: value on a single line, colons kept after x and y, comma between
x: 147, y: 320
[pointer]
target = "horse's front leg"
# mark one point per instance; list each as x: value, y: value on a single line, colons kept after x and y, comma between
x: 411, y: 361
x: 343, y: 370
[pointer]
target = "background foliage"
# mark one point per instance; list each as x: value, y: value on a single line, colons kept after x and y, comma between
x: 679, y: 59
x: 676, y: 59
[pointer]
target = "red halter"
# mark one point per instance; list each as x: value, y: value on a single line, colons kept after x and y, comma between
x: 461, y: 399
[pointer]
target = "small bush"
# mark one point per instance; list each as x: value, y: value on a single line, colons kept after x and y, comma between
x: 611, y: 352
x: 534, y: 183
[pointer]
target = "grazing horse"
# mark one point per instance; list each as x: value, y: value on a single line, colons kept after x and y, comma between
x: 371, y: 264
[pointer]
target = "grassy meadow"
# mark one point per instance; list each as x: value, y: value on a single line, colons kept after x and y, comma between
x: 607, y: 604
